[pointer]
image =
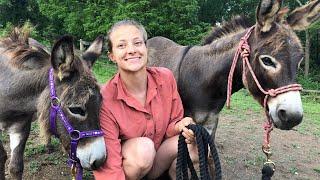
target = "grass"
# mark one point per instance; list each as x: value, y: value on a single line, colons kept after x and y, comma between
x: 34, y: 167
x: 104, y: 70
x: 317, y: 170
x: 293, y: 170
x: 33, y: 150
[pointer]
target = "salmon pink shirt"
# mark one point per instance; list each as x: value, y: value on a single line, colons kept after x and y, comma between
x: 122, y: 117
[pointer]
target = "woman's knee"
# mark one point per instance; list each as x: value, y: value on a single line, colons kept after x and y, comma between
x: 140, y: 153
x: 193, y: 152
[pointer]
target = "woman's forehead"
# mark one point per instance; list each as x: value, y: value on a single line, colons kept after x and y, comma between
x: 125, y: 32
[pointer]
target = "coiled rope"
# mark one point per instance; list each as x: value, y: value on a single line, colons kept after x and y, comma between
x: 184, y: 162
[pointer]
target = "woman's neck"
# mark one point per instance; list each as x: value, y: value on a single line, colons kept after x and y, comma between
x: 136, y: 84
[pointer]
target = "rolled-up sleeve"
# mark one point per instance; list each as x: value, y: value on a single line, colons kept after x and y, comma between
x: 176, y: 110
x: 112, y: 169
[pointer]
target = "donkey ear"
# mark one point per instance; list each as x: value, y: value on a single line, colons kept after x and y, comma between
x: 94, y: 51
x: 266, y: 14
x: 62, y: 57
x: 303, y: 16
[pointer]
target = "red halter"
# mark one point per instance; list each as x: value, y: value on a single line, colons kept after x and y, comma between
x: 244, y: 51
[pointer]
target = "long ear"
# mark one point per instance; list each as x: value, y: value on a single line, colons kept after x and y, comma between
x: 62, y: 57
x: 94, y: 51
x: 266, y: 14
x: 37, y: 45
x: 303, y: 16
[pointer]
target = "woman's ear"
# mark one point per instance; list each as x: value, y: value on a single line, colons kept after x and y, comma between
x: 111, y: 57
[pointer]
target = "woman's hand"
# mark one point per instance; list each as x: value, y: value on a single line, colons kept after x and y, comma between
x: 187, y: 133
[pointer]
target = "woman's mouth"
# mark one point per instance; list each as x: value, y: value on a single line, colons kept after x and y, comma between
x: 133, y: 59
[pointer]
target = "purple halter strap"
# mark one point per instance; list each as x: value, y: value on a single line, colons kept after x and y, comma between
x: 75, y: 135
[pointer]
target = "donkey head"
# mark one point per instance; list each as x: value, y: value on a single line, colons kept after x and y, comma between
x: 80, y: 99
x: 276, y: 53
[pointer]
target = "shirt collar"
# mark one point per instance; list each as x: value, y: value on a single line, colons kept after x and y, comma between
x: 154, y: 81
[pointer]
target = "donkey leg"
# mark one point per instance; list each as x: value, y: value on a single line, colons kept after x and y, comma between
x: 45, y: 136
x: 213, y: 124
x: 18, y: 138
x: 3, y: 159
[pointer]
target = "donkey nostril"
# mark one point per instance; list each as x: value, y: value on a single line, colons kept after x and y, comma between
x: 96, y: 164
x: 77, y: 110
x: 282, y: 114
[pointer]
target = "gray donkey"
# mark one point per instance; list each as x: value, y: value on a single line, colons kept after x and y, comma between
x: 24, y: 91
x: 202, y: 71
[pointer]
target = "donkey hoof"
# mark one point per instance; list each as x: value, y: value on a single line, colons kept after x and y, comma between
x: 14, y: 174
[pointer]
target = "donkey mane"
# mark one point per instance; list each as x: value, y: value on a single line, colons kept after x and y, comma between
x: 236, y: 23
x: 17, y: 45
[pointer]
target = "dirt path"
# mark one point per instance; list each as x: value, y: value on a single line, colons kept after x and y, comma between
x: 297, y: 156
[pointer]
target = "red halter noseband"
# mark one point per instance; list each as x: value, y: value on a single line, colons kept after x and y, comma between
x: 244, y: 51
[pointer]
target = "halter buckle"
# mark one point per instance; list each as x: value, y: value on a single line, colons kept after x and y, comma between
x: 55, y: 102
x: 75, y: 135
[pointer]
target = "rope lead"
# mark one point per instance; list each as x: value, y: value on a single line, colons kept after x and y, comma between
x: 184, y: 162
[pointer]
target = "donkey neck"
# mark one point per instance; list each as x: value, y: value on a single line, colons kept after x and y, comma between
x: 222, y: 51
x: 20, y: 89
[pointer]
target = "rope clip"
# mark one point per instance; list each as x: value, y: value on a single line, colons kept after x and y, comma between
x: 73, y: 171
x: 267, y: 151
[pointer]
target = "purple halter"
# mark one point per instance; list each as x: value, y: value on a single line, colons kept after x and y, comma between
x: 75, y: 135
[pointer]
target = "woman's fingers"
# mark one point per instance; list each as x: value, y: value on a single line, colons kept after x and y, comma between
x: 188, y: 134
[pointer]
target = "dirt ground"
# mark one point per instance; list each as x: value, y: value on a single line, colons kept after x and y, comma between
x: 296, y: 154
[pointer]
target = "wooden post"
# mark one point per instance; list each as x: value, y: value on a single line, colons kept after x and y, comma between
x: 81, y: 45
x: 307, y: 54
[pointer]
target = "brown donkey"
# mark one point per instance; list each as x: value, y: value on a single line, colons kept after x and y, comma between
x: 24, y: 91
x: 202, y: 71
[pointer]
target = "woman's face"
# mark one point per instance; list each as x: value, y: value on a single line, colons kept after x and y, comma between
x: 128, y: 49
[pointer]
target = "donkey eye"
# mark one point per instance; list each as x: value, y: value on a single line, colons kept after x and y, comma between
x: 77, y: 111
x: 268, y: 62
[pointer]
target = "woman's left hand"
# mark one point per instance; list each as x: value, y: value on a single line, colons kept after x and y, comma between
x: 187, y: 133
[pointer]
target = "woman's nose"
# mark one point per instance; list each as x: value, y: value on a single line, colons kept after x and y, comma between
x: 131, y: 48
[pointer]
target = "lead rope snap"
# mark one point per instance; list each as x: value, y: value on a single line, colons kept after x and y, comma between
x: 269, y: 166
x: 73, y: 171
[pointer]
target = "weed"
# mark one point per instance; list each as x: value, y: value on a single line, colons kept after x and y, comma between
x: 293, y: 170
x: 34, y: 167
x: 230, y: 160
x: 53, y: 159
x: 30, y: 151
x: 87, y: 175
x: 317, y: 170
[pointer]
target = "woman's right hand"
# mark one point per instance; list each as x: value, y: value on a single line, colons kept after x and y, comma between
x: 181, y: 126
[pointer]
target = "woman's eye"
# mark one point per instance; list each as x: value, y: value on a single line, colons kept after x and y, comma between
x: 138, y: 43
x: 121, y: 46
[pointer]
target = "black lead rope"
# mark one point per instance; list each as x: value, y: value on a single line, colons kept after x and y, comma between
x: 184, y: 162
x: 267, y: 172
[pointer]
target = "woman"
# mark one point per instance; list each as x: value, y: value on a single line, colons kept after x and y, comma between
x: 141, y: 113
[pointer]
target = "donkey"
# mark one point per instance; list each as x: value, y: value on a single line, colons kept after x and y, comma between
x: 24, y: 92
x: 276, y: 52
